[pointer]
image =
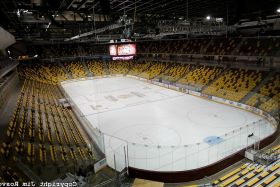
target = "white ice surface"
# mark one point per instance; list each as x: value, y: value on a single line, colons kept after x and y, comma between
x: 146, y: 114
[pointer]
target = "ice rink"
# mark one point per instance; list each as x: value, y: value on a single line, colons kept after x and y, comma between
x: 158, y: 128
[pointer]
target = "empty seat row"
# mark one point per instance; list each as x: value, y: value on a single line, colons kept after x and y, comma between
x: 249, y: 175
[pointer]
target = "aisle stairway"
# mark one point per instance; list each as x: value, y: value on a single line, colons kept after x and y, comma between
x: 68, y: 74
x: 106, y: 68
x: 88, y: 73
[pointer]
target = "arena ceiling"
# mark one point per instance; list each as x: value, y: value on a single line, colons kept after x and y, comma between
x: 65, y: 18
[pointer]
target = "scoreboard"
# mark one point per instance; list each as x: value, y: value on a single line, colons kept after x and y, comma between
x: 122, y: 50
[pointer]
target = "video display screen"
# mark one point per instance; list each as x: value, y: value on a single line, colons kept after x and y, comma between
x: 122, y: 51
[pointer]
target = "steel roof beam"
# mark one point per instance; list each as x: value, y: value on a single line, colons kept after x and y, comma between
x: 70, y: 4
x: 121, y: 4
x: 82, y: 4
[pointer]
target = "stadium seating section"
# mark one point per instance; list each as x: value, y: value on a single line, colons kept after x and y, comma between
x: 229, y: 83
x: 119, y: 67
x: 45, y: 73
x: 175, y: 72
x: 234, y: 84
x: 140, y: 67
x: 57, y: 51
x: 96, y: 68
x: 41, y: 131
x: 263, y: 46
x: 8, y: 174
x: 267, y: 96
x: 256, y: 46
x: 154, y: 70
x: 201, y: 75
x: 251, y: 174
x: 222, y: 46
x: 76, y: 69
